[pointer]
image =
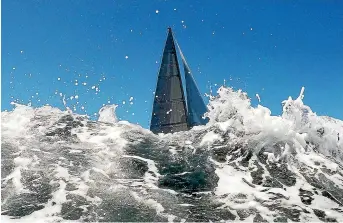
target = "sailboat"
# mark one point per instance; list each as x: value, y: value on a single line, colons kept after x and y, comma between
x: 172, y: 111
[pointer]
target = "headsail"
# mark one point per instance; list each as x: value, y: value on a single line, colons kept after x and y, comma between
x: 195, y: 103
x: 169, y: 110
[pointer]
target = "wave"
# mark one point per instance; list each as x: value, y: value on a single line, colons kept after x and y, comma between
x: 244, y: 165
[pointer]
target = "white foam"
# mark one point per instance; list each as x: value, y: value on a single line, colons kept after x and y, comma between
x: 107, y: 114
x: 210, y: 138
x: 15, y: 176
x: 258, y: 98
x: 231, y: 111
x: 150, y: 179
x: 297, y: 125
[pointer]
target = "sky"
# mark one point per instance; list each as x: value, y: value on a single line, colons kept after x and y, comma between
x: 95, y: 53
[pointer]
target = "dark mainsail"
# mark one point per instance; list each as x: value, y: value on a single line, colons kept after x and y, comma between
x: 169, y: 109
x: 195, y: 103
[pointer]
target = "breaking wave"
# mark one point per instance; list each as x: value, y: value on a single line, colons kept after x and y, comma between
x: 244, y: 165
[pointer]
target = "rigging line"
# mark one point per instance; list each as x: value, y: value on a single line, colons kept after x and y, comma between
x: 184, y: 62
x: 181, y: 54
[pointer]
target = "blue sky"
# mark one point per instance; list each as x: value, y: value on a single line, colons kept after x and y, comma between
x: 272, y: 48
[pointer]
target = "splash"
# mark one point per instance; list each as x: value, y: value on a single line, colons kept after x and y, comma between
x: 244, y: 165
x: 107, y: 114
x: 298, y: 125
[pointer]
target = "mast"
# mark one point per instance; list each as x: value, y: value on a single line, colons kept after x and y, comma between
x: 195, y: 103
x: 169, y: 113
